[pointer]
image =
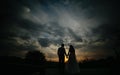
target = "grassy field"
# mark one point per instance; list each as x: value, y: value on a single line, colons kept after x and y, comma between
x: 83, y: 71
x: 17, y: 66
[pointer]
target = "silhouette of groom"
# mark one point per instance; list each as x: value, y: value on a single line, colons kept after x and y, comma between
x: 61, y: 55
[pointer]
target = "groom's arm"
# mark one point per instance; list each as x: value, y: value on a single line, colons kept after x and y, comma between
x: 68, y: 52
x: 65, y: 52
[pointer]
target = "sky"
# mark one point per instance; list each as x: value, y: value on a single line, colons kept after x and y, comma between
x: 91, y: 26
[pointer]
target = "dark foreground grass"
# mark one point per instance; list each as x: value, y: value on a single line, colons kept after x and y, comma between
x: 83, y: 71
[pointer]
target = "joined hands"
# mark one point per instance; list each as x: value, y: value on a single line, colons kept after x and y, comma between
x: 67, y: 56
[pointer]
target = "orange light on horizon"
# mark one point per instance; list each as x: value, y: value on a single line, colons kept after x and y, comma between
x: 79, y: 59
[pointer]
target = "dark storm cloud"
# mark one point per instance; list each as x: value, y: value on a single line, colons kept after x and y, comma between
x: 12, y: 25
x: 54, y: 29
x: 47, y: 21
x: 33, y: 28
x: 75, y: 36
x: 44, y: 42
x: 10, y: 13
x: 7, y: 43
x: 100, y: 8
x: 109, y: 33
x: 109, y: 30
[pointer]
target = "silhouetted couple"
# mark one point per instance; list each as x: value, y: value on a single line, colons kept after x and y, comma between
x: 71, y: 66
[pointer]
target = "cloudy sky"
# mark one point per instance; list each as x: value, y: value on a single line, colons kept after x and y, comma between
x: 91, y: 26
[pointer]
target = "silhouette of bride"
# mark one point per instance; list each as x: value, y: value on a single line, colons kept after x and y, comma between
x: 72, y: 66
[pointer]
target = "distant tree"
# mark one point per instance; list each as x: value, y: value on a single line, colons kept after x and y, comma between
x: 35, y: 57
x: 36, y: 61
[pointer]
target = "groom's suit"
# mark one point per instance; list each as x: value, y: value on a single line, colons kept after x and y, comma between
x: 61, y: 55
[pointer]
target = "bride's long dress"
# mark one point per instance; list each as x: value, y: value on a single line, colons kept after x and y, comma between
x: 72, y: 66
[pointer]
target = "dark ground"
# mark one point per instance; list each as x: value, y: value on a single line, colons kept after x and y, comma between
x: 12, y: 70
x: 83, y: 71
x: 16, y: 66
